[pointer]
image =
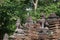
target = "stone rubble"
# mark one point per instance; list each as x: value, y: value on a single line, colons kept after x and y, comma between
x: 40, y: 30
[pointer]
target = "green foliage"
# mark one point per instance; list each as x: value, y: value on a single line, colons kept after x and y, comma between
x: 9, y: 12
x: 48, y: 7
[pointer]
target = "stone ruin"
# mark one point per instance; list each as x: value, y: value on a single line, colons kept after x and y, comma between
x: 6, y: 37
x: 43, y: 29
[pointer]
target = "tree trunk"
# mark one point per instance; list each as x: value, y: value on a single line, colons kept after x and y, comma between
x: 35, y: 2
